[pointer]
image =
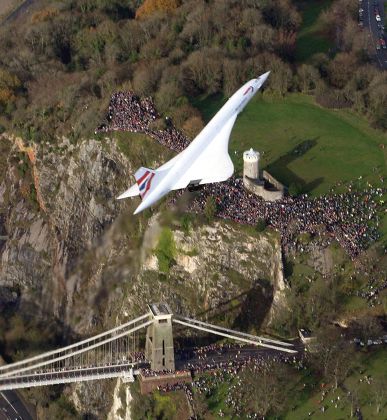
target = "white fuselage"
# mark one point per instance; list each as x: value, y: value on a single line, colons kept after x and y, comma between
x: 182, y: 162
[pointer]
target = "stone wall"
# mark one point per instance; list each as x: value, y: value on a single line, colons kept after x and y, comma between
x: 273, y: 181
x: 150, y: 383
x: 258, y: 188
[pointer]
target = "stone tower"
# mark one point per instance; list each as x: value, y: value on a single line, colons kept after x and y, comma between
x: 159, y: 339
x: 251, y: 164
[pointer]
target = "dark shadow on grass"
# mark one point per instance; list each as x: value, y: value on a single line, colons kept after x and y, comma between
x: 280, y: 168
x: 209, y: 105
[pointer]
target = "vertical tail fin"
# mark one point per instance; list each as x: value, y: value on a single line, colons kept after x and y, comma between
x: 144, y: 177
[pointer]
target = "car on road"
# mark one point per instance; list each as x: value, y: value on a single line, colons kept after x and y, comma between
x: 377, y: 46
x: 382, y: 43
x: 378, y: 18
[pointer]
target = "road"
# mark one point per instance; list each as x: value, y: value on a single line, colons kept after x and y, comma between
x: 243, y: 354
x: 371, y: 24
x: 73, y: 375
x: 12, y: 407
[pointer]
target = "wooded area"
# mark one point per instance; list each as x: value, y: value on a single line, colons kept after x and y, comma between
x: 59, y: 67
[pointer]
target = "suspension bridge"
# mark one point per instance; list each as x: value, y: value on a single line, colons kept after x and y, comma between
x: 114, y: 354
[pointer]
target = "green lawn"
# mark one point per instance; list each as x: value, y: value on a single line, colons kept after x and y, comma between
x: 302, y: 142
x: 311, y: 38
x: 373, y: 364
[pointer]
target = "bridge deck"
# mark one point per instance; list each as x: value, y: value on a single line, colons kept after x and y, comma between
x: 124, y: 371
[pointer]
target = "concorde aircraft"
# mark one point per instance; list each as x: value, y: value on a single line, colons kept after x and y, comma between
x: 204, y: 161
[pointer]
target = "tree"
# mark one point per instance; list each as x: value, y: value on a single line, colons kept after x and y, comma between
x: 368, y: 327
x: 282, y: 14
x: 281, y: 77
x: 193, y: 126
x: 340, y: 69
x: 308, y: 77
x: 334, y: 355
x: 321, y: 302
x: 262, y: 391
x: 203, y: 70
x: 9, y: 84
x: 181, y: 113
x: 377, y: 100
x: 210, y: 209
x: 261, y: 225
x: 145, y: 79
x: 151, y: 6
x: 186, y: 222
x: 231, y: 76
x: 167, y: 96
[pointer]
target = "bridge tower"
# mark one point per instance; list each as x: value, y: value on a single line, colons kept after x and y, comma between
x: 159, y: 349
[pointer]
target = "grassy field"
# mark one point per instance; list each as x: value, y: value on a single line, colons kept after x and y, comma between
x: 373, y: 364
x: 311, y: 38
x: 304, y: 143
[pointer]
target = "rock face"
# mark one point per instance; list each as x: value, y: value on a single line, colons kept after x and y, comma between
x: 53, y: 212
x: 217, y: 269
x: 72, y: 252
x: 122, y: 397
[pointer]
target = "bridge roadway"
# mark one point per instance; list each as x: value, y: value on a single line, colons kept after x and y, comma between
x: 184, y: 360
x: 124, y: 370
x: 236, y: 354
x: 103, y: 356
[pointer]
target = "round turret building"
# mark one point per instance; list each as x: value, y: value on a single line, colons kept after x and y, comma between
x: 261, y: 184
x: 251, y: 164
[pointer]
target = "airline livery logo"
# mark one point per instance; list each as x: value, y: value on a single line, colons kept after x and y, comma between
x: 249, y: 89
x: 144, y: 183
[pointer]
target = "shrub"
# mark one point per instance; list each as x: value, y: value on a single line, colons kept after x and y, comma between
x: 261, y: 225
x: 166, y: 250
x: 210, y: 209
x: 186, y: 223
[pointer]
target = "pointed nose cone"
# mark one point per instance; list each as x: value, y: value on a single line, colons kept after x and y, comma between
x: 264, y: 76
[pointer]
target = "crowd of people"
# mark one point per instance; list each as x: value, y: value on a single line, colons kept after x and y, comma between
x: 146, y: 372
x: 349, y: 218
x: 128, y: 112
x: 372, y: 291
x: 209, y: 373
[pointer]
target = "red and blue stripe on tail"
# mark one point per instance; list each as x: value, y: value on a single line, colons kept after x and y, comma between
x: 144, y: 178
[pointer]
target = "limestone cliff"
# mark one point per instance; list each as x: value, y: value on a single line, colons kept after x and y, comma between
x: 217, y: 267
x: 70, y: 251
x: 52, y: 210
